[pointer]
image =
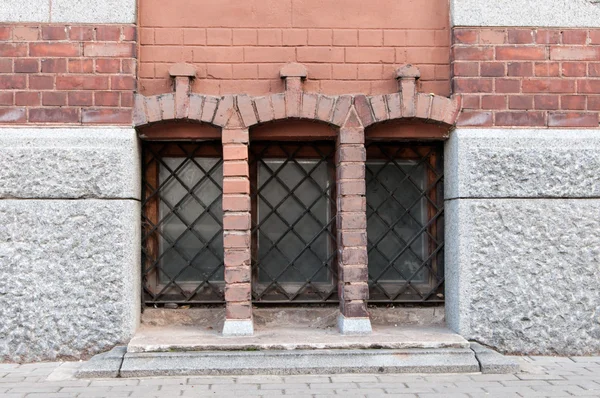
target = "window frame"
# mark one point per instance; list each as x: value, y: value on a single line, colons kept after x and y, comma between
x: 153, y: 289
x: 433, y: 290
x: 328, y: 289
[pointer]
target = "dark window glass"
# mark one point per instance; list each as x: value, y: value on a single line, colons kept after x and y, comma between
x: 293, y: 221
x: 182, y: 237
x: 405, y: 222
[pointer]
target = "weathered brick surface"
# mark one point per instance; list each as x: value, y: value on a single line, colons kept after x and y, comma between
x: 527, y: 77
x: 236, y: 113
x: 237, y: 292
x: 65, y: 74
x: 236, y: 222
x: 351, y: 217
x: 241, y: 49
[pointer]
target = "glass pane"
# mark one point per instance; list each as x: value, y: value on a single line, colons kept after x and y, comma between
x: 292, y: 212
x: 192, y: 241
x: 396, y: 212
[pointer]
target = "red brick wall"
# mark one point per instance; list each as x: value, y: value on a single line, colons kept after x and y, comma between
x: 527, y: 77
x: 351, y: 46
x: 67, y: 74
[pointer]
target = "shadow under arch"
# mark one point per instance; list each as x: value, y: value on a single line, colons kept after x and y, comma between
x: 408, y: 129
x: 293, y: 130
x: 178, y: 130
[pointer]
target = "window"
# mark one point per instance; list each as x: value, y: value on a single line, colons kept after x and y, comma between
x: 293, y: 214
x: 405, y: 222
x: 182, y: 241
x: 293, y: 242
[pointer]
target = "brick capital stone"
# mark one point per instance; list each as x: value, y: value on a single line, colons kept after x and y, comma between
x: 408, y: 71
x: 293, y: 69
x: 182, y: 70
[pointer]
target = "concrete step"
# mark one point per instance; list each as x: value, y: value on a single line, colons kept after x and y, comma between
x: 274, y: 362
x: 119, y: 363
x: 192, y: 338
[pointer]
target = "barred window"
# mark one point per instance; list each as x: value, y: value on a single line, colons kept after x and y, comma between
x: 182, y: 242
x: 293, y: 212
x: 405, y: 222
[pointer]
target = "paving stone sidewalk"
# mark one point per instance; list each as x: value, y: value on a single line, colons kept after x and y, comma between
x: 539, y: 377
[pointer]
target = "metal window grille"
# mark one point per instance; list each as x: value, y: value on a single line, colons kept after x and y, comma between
x: 182, y: 223
x: 405, y: 211
x: 293, y: 222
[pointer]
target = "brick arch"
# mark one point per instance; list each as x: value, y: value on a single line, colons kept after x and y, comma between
x: 250, y: 111
x: 407, y: 103
x: 427, y: 108
x: 331, y: 110
x: 243, y: 111
x: 198, y: 108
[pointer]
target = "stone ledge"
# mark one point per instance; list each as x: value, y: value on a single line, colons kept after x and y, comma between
x: 69, y: 163
x: 94, y: 11
x: 293, y: 336
x: 510, y: 163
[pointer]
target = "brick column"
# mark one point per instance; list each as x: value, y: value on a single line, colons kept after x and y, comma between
x: 236, y: 233
x: 352, y: 228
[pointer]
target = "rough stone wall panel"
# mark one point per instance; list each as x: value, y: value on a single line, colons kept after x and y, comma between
x: 80, y: 11
x: 567, y: 13
x: 525, y: 274
x: 493, y: 163
x: 69, y: 163
x: 69, y: 280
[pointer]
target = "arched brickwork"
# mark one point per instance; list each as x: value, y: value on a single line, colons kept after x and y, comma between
x: 312, y: 106
x: 293, y: 103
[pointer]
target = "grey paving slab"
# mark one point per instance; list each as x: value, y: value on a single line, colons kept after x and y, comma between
x: 531, y: 381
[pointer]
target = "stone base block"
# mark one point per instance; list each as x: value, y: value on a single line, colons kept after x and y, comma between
x: 507, y: 163
x: 520, y: 163
x: 522, y: 274
x: 352, y: 326
x: 238, y: 327
x: 69, y: 277
x: 61, y: 163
